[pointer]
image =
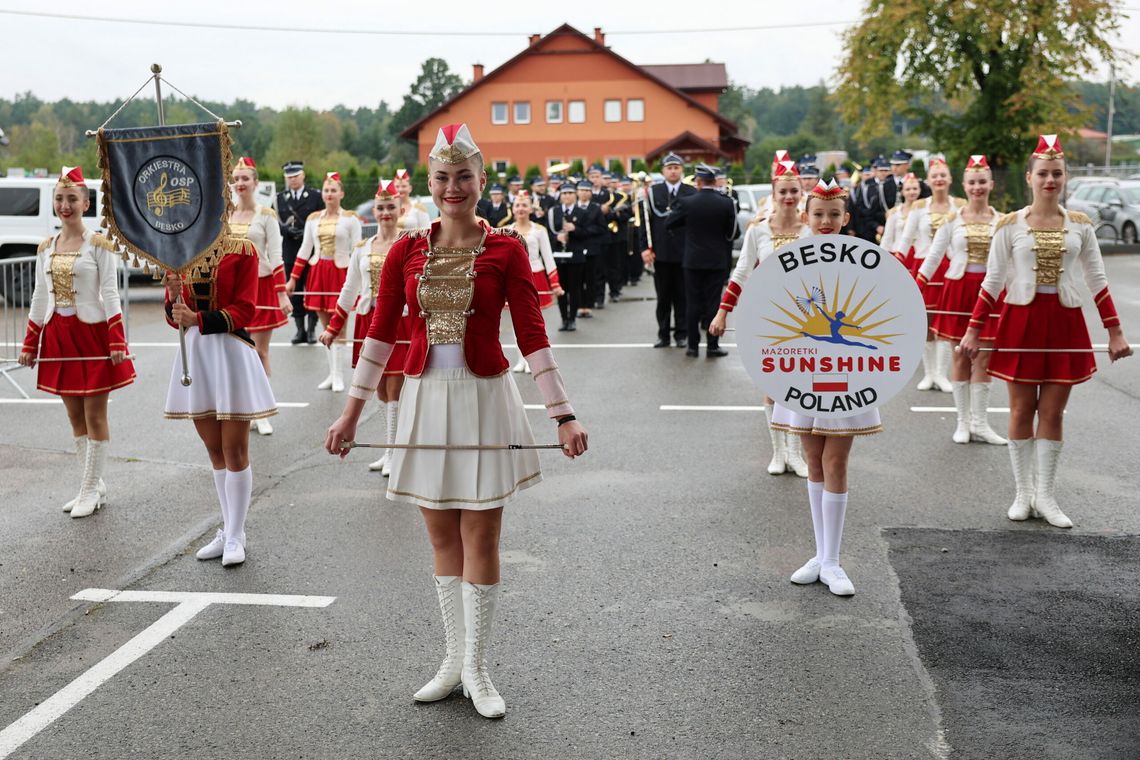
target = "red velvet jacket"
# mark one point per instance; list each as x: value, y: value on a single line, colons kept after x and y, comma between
x: 225, y: 300
x: 502, y: 273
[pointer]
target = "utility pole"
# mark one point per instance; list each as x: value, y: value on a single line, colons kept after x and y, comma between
x: 1111, y: 108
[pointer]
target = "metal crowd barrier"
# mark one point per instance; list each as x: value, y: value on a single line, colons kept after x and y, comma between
x: 17, y: 283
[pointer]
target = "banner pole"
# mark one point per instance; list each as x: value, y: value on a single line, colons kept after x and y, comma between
x: 156, y: 71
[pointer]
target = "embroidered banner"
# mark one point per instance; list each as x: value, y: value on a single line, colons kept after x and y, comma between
x: 165, y: 192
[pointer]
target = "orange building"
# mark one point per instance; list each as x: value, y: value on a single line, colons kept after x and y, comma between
x: 568, y: 97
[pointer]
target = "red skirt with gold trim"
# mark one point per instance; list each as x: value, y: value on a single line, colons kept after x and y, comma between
x: 267, y: 318
x: 932, y: 293
x: 960, y: 296
x: 324, y: 277
x: 68, y: 336
x: 542, y: 285
x: 1043, y: 323
x: 395, y: 365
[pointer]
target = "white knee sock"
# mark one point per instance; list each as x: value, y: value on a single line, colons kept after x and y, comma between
x: 834, y: 509
x: 220, y: 485
x: 239, y: 489
x: 815, y: 499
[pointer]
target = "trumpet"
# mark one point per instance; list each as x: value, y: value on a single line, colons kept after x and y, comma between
x: 622, y: 200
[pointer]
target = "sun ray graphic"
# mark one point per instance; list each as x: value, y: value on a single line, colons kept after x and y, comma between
x: 814, y: 319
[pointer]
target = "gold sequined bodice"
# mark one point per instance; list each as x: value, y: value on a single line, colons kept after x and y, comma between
x: 978, y: 236
x: 1049, y: 247
x: 239, y: 230
x: 326, y: 235
x: 778, y: 241
x: 63, y: 277
x: 937, y: 219
x: 375, y: 265
x: 445, y: 291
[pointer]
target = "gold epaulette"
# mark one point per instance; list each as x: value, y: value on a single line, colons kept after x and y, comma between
x: 314, y: 215
x: 1080, y: 217
x: 959, y: 202
x: 419, y: 207
x: 269, y: 211
x: 44, y: 245
x: 346, y: 212
x: 891, y: 211
x: 509, y: 232
x: 238, y: 245
x: 422, y: 232
x: 920, y: 203
x: 363, y: 242
x: 1009, y: 218
x: 104, y: 242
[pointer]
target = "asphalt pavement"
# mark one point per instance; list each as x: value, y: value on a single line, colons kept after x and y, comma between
x: 645, y: 610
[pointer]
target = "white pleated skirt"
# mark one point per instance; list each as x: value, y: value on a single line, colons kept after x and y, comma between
x: 228, y: 381
x: 863, y: 423
x: 453, y: 406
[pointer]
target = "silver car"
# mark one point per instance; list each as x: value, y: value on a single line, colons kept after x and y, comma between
x: 1114, y: 208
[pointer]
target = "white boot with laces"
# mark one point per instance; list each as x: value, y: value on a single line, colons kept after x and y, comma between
x: 942, y: 354
x: 794, y: 454
x: 337, y: 368
x: 393, y: 419
x: 1022, y: 457
x: 1048, y: 452
x: 81, y: 457
x: 928, y: 367
x: 382, y: 462
x: 778, y: 465
x: 449, y: 589
x: 980, y: 429
x: 479, y: 616
x: 961, y: 392
x: 327, y: 383
x: 96, y: 460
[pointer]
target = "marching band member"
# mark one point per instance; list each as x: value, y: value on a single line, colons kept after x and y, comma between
x: 330, y: 236
x: 542, y: 267
x: 668, y: 251
x: 360, y: 288
x: 457, y: 276
x: 413, y: 214
x: 760, y: 241
x: 1035, y: 254
x: 827, y: 442
x: 229, y: 387
x: 896, y: 221
x: 926, y: 216
x: 75, y: 313
x: 965, y: 240
x: 259, y: 225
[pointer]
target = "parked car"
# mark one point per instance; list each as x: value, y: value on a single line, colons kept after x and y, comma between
x: 1114, y: 208
x: 751, y: 196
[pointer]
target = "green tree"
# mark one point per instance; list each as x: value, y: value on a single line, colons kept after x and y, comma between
x: 298, y: 135
x: 999, y: 65
x: 576, y: 167
x: 435, y: 84
x: 420, y: 180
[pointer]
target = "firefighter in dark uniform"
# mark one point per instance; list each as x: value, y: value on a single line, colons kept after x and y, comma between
x: 868, y: 203
x: 294, y: 205
x: 576, y: 227
x: 631, y: 254
x: 541, y: 201
x: 667, y: 252
x: 614, y: 252
x: 495, y: 210
x: 708, y: 219
x: 892, y: 187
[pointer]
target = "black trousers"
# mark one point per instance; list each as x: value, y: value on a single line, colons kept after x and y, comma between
x: 570, y: 277
x: 615, y: 264
x: 288, y: 257
x: 669, y: 282
x: 702, y: 297
x: 634, y: 266
x: 594, y: 271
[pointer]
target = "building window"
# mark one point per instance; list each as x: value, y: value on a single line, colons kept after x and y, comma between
x: 635, y: 110
x: 610, y: 162
x: 551, y: 162
x: 633, y: 160
x: 613, y: 110
x: 577, y: 111
x: 500, y: 167
x: 522, y: 112
x: 498, y: 113
x: 554, y: 112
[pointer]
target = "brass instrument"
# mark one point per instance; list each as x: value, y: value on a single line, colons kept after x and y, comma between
x: 624, y: 199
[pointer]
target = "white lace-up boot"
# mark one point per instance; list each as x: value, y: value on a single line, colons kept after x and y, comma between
x: 778, y: 465
x: 81, y: 457
x: 942, y: 355
x: 263, y: 426
x: 928, y: 367
x: 96, y: 460
x: 327, y: 383
x: 479, y: 616
x: 449, y: 589
x: 794, y: 454
x: 337, y: 368
x: 1048, y: 452
x: 961, y: 392
x: 1022, y: 456
x: 980, y: 429
x: 393, y: 419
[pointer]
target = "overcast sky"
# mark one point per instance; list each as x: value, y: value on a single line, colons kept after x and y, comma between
x: 280, y: 68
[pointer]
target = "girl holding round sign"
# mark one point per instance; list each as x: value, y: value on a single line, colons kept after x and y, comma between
x: 830, y: 356
x: 964, y: 242
x: 782, y: 226
x: 1042, y: 347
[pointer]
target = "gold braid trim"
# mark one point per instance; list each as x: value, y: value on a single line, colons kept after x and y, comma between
x: 1009, y: 218
x: 151, y: 265
x: 102, y: 241
x: 508, y: 232
x: 920, y: 203
x: 314, y: 215
x: 44, y: 245
x: 268, y: 211
x: 1079, y: 217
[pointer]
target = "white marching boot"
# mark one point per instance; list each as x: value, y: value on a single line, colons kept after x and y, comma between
x: 393, y: 419
x: 449, y: 589
x: 779, y: 464
x: 96, y: 460
x: 980, y: 429
x: 520, y: 366
x: 81, y: 457
x: 1048, y: 452
x: 327, y: 383
x: 961, y: 392
x: 382, y: 462
x: 1022, y: 456
x: 928, y: 366
x: 942, y: 354
x: 795, y: 455
x: 337, y: 368
x: 479, y: 616
x: 263, y: 426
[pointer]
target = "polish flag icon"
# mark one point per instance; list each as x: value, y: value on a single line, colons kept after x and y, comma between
x: 829, y: 383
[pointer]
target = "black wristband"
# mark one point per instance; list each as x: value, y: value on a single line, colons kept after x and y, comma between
x: 568, y: 418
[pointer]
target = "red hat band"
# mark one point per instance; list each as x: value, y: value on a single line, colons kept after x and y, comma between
x: 387, y: 189
x: 1049, y: 147
x: 829, y: 190
x: 786, y: 170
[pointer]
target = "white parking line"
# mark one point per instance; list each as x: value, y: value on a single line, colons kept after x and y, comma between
x: 684, y: 408
x: 951, y: 410
x: 189, y: 605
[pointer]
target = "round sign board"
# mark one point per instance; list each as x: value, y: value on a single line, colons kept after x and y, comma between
x: 830, y: 326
